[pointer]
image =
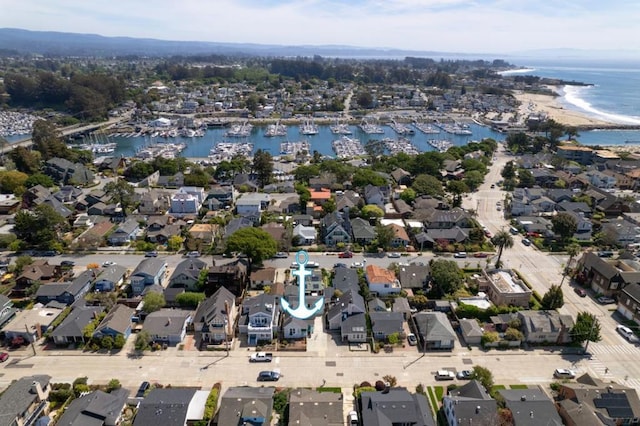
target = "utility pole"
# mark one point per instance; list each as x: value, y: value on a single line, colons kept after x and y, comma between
x: 593, y: 325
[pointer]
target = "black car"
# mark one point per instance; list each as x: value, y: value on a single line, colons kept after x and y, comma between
x: 151, y: 254
x: 142, y: 389
x: 67, y: 263
x: 268, y: 376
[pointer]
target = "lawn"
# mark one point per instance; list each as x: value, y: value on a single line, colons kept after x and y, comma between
x: 518, y: 387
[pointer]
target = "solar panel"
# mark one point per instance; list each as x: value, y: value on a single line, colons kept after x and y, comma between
x: 616, y: 404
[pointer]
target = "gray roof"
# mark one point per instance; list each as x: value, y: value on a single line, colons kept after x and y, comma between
x: 149, y: 266
x: 118, y: 319
x: 260, y: 303
x: 313, y: 408
x: 97, y: 408
x: 190, y: 267
x: 128, y: 226
x: 531, y: 407
x: 473, y: 405
x: 113, y: 273
x: 242, y: 402
x: 386, y: 323
x: 76, y: 321
x: 349, y: 297
x: 361, y: 229
x: 212, y: 309
x: 18, y: 398
x: 345, y: 279
x: 434, y: 326
x: 357, y: 322
x: 413, y: 276
x: 166, y: 322
x: 166, y: 407
x: 397, y: 406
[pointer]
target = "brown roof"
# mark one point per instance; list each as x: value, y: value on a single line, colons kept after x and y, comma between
x: 264, y: 274
x: 376, y: 274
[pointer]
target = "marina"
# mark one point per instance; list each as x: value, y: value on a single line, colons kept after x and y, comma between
x: 15, y: 123
x: 295, y: 148
x: 427, y: 129
x: 240, y: 130
x: 400, y: 145
x: 276, y: 129
x: 440, y: 145
x: 370, y: 128
x: 225, y: 151
x: 347, y: 147
x: 309, y: 127
x: 400, y: 128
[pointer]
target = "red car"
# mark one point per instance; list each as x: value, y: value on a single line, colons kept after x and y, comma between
x: 481, y: 254
x: 345, y: 255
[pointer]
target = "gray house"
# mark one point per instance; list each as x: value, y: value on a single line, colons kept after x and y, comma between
x: 395, y: 406
x: 96, y: 408
x: 110, y: 278
x: 24, y: 399
x: 150, y: 271
x: 167, y: 325
x: 7, y: 311
x: 435, y: 330
x: 308, y: 406
x: 244, y: 405
x: 383, y: 324
x: 187, y: 273
x: 177, y: 406
x: 212, y: 318
x: 70, y: 330
x: 65, y: 172
x: 117, y: 322
x: 66, y: 292
x: 125, y: 233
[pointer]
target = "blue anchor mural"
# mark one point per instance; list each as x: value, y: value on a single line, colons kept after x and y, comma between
x: 302, y: 312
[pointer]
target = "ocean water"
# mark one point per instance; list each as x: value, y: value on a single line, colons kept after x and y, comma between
x: 614, y: 94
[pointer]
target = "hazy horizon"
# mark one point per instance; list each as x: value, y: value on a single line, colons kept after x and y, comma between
x: 482, y: 27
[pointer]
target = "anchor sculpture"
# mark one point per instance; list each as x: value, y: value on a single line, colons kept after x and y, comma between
x: 302, y: 312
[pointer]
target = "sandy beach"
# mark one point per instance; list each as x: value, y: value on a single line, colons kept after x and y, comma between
x: 550, y: 105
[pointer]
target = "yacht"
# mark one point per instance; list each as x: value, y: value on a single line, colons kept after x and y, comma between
x: 276, y: 130
x: 309, y: 128
x: 240, y: 130
x: 370, y: 128
x: 340, y: 128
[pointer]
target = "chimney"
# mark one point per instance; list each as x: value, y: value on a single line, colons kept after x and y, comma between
x: 531, y: 414
x: 36, y: 389
x: 478, y: 409
x: 523, y: 398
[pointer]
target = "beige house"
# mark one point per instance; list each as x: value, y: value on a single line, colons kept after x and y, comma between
x: 504, y: 288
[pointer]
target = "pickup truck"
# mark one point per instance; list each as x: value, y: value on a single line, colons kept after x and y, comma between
x: 261, y: 357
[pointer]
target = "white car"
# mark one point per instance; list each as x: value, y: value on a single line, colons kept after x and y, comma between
x: 393, y: 255
x: 280, y: 255
x: 445, y: 375
x: 356, y: 265
x: 108, y: 263
x: 563, y: 373
x: 353, y: 418
x: 627, y: 333
x: 193, y: 254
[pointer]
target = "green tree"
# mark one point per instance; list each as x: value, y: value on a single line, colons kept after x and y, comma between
x: 446, y: 276
x: 371, y: 210
x: 502, y: 240
x: 427, y: 185
x: 174, y: 243
x: 143, y: 341
x: 384, y: 236
x: 107, y: 343
x: 39, y: 179
x: 513, y: 334
x: 13, y: 182
x: 408, y: 196
x: 525, y: 179
x: 572, y: 250
x: 564, y: 225
x: 21, y: 262
x: 25, y: 160
x: 47, y: 140
x: 457, y: 188
x: 153, y: 302
x: 113, y: 385
x: 586, y: 328
x: 484, y: 376
x: 189, y: 299
x: 120, y: 192
x: 473, y: 179
x: 553, y: 298
x: 119, y: 341
x: 139, y: 170
x: 330, y: 205
x: 40, y: 227
x: 509, y: 170
x: 263, y: 167
x: 255, y: 243
x: 364, y: 177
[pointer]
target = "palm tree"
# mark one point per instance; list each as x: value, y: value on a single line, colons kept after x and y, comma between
x: 572, y: 249
x: 502, y: 240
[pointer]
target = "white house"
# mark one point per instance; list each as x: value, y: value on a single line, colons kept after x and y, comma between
x: 259, y: 320
x: 382, y: 281
x: 252, y: 204
x: 307, y: 234
x: 183, y: 203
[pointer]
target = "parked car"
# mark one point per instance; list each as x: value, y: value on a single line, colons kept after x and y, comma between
x: 393, y: 255
x: 460, y: 255
x: 526, y: 242
x: 356, y: 265
x: 345, y: 255
x: 580, y: 292
x: 445, y: 375
x: 627, y: 333
x: 563, y: 373
x: 605, y: 300
x: 4, y: 356
x: 464, y: 375
x: 281, y: 255
x: 493, y: 185
x: 193, y: 254
x: 142, y: 389
x: 67, y: 263
x: 353, y: 418
x: 268, y: 376
x: 108, y: 263
x: 606, y: 253
x: 412, y: 339
x: 339, y: 265
x: 312, y: 265
x: 151, y: 254
x: 481, y: 254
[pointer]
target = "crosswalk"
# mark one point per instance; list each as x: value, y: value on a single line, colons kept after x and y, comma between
x: 598, y: 349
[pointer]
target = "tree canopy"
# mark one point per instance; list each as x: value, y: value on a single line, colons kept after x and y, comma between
x: 153, y: 302
x: 553, y: 298
x: 564, y: 225
x: 586, y: 328
x: 120, y: 192
x: 40, y: 227
x: 502, y: 239
x: 446, y: 275
x: 257, y: 244
x: 427, y: 185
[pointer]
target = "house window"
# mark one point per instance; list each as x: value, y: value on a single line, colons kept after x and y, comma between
x: 291, y: 332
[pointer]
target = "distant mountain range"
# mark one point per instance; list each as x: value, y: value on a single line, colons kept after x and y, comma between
x: 18, y: 41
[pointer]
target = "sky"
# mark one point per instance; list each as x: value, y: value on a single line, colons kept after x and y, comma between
x: 462, y: 26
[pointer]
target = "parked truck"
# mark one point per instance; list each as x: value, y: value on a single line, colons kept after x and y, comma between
x: 261, y: 357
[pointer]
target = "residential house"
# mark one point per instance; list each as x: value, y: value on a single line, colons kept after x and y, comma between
x: 560, y: 195
x: 345, y: 279
x: 224, y: 194
x: 441, y: 237
x: 629, y: 302
x: 622, y: 231
x: 116, y: 322
x: 401, y: 305
x: 39, y: 271
x: 606, y: 277
x: 471, y: 331
x: 110, y: 278
x: 154, y: 202
x: 470, y: 404
x: 401, y: 176
x: 546, y: 326
x: 319, y: 197
x: 401, y: 237
x: 435, y: 330
x: 25, y: 400
x: 384, y: 324
x: 159, y: 230
x: 504, y: 288
x: 35, y: 196
x: 167, y: 326
x: 544, y: 177
x: 295, y: 328
x: 580, y: 154
x: 7, y: 311
x: 71, y: 329
x: 311, y: 407
x: 65, y: 172
x: 150, y: 271
x: 259, y: 318
x: 202, y: 235
x: 414, y: 277
x: 244, y: 405
x: 235, y: 225
x: 124, y: 233
x: 335, y: 228
x: 66, y: 292
x: 448, y: 219
x: 530, y: 407
x: 600, y: 180
x: 184, y: 203
x: 395, y: 406
x: 349, y: 303
x: 171, y: 407
x: 68, y: 194
x: 31, y: 324
x: 304, y: 235
x: 347, y: 201
x: 353, y: 329
x: 251, y: 205
x: 187, y: 274
x: 376, y: 305
x: 96, y: 408
x: 381, y: 281
x: 374, y: 195
x: 590, y: 401
x: 214, y: 318
x: 325, y: 180
x: 277, y: 231
x: 262, y: 277
x: 232, y: 276
x: 363, y: 233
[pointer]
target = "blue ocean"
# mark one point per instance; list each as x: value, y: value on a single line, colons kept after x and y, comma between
x: 614, y: 94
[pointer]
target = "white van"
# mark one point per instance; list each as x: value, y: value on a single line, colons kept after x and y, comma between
x: 514, y: 230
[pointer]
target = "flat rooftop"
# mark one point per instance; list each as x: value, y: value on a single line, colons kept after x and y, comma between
x: 505, y: 283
